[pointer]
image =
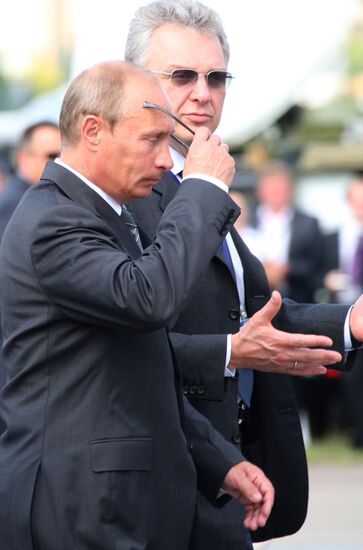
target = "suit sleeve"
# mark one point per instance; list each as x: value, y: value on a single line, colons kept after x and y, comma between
x: 213, y: 456
x: 327, y: 320
x: 201, y: 358
x: 84, y: 272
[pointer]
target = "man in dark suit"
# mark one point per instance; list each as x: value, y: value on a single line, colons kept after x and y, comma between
x: 99, y: 451
x: 38, y: 143
x: 182, y: 42
x: 291, y: 240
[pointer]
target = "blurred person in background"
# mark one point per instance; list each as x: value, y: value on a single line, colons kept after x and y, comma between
x: 344, y: 282
x: 4, y: 172
x: 290, y: 245
x: 290, y: 240
x: 184, y: 44
x: 39, y: 142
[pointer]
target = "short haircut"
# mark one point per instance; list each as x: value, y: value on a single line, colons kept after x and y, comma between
x: 27, y: 135
x: 188, y: 13
x: 97, y: 91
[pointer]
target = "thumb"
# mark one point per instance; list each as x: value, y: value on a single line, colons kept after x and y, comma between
x: 201, y: 134
x: 268, y: 312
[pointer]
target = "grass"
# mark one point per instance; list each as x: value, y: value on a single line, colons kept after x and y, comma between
x: 334, y: 448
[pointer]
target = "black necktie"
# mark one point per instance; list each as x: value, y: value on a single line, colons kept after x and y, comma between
x: 130, y: 222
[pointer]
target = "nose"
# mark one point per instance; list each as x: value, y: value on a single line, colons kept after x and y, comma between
x: 200, y: 90
x: 164, y: 160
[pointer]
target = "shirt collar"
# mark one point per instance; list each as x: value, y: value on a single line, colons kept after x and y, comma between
x: 178, y: 161
x: 106, y: 197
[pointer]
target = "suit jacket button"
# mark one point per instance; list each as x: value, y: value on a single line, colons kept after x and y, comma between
x: 192, y: 390
x: 236, y: 438
x: 190, y: 446
x: 200, y: 390
x: 234, y: 314
x: 185, y: 390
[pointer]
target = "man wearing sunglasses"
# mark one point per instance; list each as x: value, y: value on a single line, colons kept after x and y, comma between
x: 39, y: 142
x: 184, y: 44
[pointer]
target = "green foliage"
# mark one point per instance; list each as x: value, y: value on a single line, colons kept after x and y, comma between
x: 334, y: 448
x: 354, y: 52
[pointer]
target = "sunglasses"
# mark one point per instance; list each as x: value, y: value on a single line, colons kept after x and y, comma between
x: 185, y: 77
x: 53, y: 156
x: 151, y: 105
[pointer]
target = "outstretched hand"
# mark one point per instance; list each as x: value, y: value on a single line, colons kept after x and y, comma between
x: 248, y: 484
x: 260, y: 346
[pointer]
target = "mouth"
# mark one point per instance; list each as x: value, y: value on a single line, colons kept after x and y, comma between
x: 152, y: 181
x: 198, y: 118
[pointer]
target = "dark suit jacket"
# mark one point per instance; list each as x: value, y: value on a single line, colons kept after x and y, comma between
x: 331, y: 251
x: 271, y: 435
x: 9, y: 198
x: 94, y: 455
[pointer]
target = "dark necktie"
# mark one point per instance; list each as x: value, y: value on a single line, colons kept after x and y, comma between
x: 357, y: 266
x: 245, y: 385
x: 130, y: 222
x: 174, y: 176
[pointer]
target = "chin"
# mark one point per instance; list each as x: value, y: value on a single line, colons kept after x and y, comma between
x: 144, y: 192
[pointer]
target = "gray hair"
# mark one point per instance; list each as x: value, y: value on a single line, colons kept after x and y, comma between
x: 98, y: 91
x: 188, y: 13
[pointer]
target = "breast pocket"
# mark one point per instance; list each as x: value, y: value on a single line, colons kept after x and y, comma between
x: 124, y: 468
x: 118, y: 454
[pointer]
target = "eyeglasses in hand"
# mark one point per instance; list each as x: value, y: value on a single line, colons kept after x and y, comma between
x: 150, y: 105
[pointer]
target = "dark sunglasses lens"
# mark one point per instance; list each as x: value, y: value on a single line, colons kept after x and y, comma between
x: 219, y: 79
x: 182, y: 77
x: 52, y: 156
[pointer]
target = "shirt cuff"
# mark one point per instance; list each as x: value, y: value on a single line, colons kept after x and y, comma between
x: 219, y: 183
x: 229, y: 373
x: 350, y: 343
x: 348, y: 346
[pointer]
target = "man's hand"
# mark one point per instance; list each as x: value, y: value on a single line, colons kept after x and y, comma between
x: 260, y: 346
x: 248, y: 484
x: 356, y: 319
x: 207, y: 155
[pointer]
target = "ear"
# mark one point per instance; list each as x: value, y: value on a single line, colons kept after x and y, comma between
x: 90, y: 131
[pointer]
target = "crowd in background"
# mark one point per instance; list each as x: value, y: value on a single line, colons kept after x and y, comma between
x: 308, y: 265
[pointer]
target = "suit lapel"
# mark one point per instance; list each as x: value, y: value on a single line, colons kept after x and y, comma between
x: 166, y: 188
x: 80, y: 193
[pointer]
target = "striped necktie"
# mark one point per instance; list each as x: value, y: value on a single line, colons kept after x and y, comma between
x: 130, y: 222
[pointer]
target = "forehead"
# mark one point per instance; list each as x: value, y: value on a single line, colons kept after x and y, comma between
x: 147, y: 89
x: 42, y: 135
x: 173, y: 45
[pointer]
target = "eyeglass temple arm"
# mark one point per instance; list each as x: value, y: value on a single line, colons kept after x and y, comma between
x: 150, y: 105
